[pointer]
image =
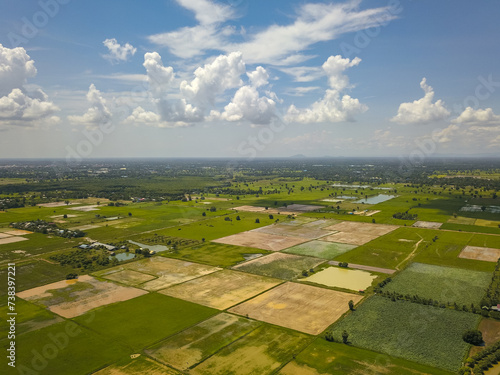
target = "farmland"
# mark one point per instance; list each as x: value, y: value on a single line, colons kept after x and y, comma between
x: 410, y: 331
x: 248, y: 273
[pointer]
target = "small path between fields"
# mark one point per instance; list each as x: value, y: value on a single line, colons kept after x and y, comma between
x: 412, y: 254
x: 365, y: 268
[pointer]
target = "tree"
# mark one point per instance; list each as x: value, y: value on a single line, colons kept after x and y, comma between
x: 238, y: 217
x: 271, y: 217
x: 345, y: 337
x: 65, y: 216
x: 351, y: 305
x: 130, y: 214
x: 257, y: 221
x: 204, y: 214
x: 473, y: 336
x: 329, y: 336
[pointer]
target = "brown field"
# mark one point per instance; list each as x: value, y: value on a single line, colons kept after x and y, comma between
x: 11, y: 239
x: 85, y: 227
x: 349, y: 238
x: 3, y: 235
x: 55, y: 204
x: 262, y: 241
x: 167, y: 272
x: 130, y: 277
x: 362, y: 228
x: 293, y: 368
x: 70, y: 298
x: 85, y: 208
x: 300, y: 307
x: 480, y: 253
x: 138, y: 366
x: 17, y: 232
x: 427, y: 224
x: 249, y: 208
x: 303, y: 207
x: 223, y: 289
x: 322, y: 223
x: 309, y: 233
x: 490, y: 329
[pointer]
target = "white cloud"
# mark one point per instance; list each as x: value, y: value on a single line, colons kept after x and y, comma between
x: 478, y: 117
x: 118, y: 52
x: 423, y: 110
x: 259, y: 77
x: 333, y: 107
x: 18, y: 106
x: 214, y: 78
x: 282, y: 43
x: 97, y: 114
x: 160, y: 77
x: 301, y: 90
x: 248, y: 105
x: 304, y: 73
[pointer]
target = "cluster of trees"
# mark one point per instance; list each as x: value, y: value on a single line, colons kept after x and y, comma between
x: 405, y: 216
x: 329, y: 337
x: 41, y: 226
x: 492, y: 296
x: 482, y: 361
x: 473, y: 337
x: 344, y: 264
x: 11, y: 203
x: 85, y: 260
x: 174, y: 242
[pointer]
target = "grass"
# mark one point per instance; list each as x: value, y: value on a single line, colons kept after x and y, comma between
x: 414, y: 332
x: 334, y: 358
x: 470, y: 228
x: 81, y: 352
x: 320, y: 249
x: 443, y: 284
x: 136, y: 366
x: 143, y: 320
x: 29, y: 317
x: 261, y: 352
x: 215, y: 254
x: 189, y: 347
x: 281, y: 266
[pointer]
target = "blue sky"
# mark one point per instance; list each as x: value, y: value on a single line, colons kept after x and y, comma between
x: 241, y: 78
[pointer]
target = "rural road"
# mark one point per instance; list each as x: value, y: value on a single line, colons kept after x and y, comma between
x: 365, y: 268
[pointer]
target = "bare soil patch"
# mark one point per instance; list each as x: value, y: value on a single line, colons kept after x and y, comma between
x: 480, y: 253
x: 92, y: 207
x: 362, y: 228
x: 427, y: 224
x: 263, y: 241
x: 70, y: 298
x: 300, y: 307
x: 55, y: 204
x: 349, y: 238
x: 490, y: 329
x: 303, y: 207
x: 310, y: 233
x: 12, y: 239
x: 221, y: 290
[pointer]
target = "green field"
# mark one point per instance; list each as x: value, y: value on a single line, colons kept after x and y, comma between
x: 63, y: 348
x: 280, y: 266
x: 323, y: 357
x: 143, y: 320
x: 189, y: 347
x: 137, y: 366
x: 320, y: 249
x: 261, y: 352
x: 424, y: 334
x: 443, y: 284
x: 215, y: 254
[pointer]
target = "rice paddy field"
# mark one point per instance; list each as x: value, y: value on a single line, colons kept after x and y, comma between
x: 410, y: 331
x: 444, y: 284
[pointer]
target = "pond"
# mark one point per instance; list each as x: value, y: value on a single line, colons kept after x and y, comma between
x: 376, y: 199
x: 123, y: 256
x: 342, y: 278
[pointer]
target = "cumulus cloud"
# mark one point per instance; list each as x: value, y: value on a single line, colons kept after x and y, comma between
x: 18, y: 106
x: 97, y: 114
x: 160, y: 78
x: 118, y: 52
x: 313, y: 23
x: 259, y: 77
x: 333, y: 107
x: 423, y: 110
x: 477, y: 117
x: 214, y: 78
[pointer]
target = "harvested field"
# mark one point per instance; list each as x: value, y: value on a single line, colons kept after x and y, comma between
x: 260, y: 352
x: 319, y: 223
x: 320, y: 249
x: 166, y: 271
x: 300, y: 307
x: 283, y: 210
x: 55, y: 204
x: 279, y: 265
x: 462, y: 220
x: 221, y: 290
x: 249, y: 208
x: 70, y: 298
x: 137, y: 366
x: 362, y: 228
x: 487, y: 254
x: 130, y: 277
x: 309, y: 233
x: 490, y: 328
x: 85, y: 227
x: 17, y: 232
x: 11, y: 239
x: 189, y: 347
x: 262, y: 241
x: 350, y: 238
x: 3, y: 235
x: 427, y: 224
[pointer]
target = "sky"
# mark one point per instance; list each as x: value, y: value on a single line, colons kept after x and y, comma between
x: 249, y: 78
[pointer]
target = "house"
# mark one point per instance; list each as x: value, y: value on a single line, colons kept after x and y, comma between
x: 495, y: 308
x: 83, y: 247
